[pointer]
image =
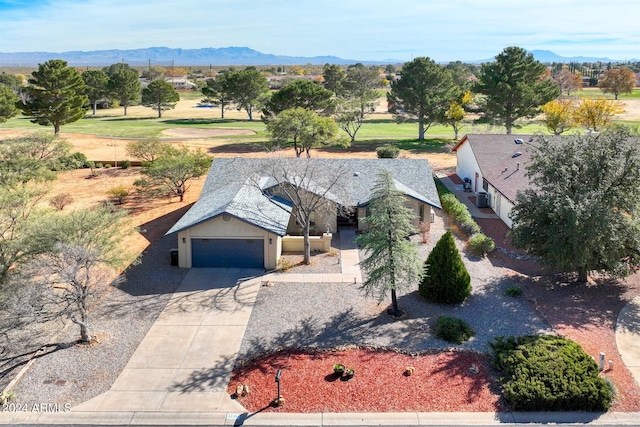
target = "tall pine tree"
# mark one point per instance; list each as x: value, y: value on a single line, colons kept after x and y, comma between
x: 56, y: 95
x: 391, y: 262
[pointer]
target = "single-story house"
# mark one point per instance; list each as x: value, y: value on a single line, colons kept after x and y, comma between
x: 495, y: 165
x: 242, y: 220
x: 181, y: 83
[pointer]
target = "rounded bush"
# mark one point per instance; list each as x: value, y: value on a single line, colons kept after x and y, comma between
x: 388, y: 151
x: 453, y: 330
x: 549, y: 373
x: 481, y: 245
x: 446, y: 279
x: 125, y: 164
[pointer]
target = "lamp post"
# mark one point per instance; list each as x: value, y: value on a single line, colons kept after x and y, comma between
x: 279, y: 401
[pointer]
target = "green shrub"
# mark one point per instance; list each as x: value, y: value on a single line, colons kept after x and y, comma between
x: 107, y: 165
x: 442, y: 189
x: 75, y: 160
x: 125, y: 164
x: 388, y: 151
x: 513, y: 291
x: 90, y: 164
x: 98, y: 165
x: 481, y: 245
x: 446, y: 279
x: 460, y: 214
x: 549, y: 373
x: 453, y: 330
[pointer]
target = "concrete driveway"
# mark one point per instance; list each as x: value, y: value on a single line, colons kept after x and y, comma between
x: 185, y: 361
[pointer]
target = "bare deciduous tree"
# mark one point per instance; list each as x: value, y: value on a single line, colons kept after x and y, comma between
x: 314, y: 187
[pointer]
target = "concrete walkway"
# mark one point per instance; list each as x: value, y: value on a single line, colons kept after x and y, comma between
x: 185, y: 361
x: 349, y: 261
x: 628, y: 337
x: 463, y: 196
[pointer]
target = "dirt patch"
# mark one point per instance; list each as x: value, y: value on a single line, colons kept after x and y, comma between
x: 203, y: 133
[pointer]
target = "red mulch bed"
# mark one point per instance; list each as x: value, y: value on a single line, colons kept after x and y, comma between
x: 441, y: 382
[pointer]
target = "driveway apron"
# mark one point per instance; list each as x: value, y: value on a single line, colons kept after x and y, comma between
x: 184, y: 363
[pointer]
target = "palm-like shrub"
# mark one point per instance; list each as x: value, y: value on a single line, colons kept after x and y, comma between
x: 447, y: 280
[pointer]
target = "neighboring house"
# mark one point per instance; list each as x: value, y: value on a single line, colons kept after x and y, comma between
x: 181, y: 83
x: 495, y: 165
x: 236, y: 224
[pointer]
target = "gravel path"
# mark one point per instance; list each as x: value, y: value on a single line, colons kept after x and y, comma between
x: 68, y: 373
x: 332, y: 315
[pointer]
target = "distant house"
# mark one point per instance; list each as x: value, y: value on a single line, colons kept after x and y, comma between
x: 495, y: 165
x: 181, y: 83
x: 237, y: 224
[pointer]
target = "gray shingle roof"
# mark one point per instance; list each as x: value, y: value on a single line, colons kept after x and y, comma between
x: 227, y: 190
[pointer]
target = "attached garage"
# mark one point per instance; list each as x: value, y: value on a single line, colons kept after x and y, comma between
x: 245, y: 253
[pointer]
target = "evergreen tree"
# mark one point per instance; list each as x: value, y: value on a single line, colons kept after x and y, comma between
x: 123, y: 84
x: 425, y: 90
x: 448, y: 280
x: 56, y: 95
x: 514, y: 86
x: 391, y: 262
x: 96, y: 82
x: 160, y: 96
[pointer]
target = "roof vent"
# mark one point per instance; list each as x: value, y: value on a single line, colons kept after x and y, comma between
x: 356, y: 174
x: 516, y: 154
x: 519, y: 141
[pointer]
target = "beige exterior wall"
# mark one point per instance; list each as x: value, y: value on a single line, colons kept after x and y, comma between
x: 217, y: 228
x: 317, y: 243
x: 326, y: 221
x: 416, y: 206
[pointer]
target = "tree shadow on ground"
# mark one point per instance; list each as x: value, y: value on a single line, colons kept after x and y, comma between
x: 11, y: 363
x: 565, y: 303
x: 214, y: 379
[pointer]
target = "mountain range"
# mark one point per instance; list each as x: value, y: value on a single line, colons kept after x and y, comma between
x: 217, y: 56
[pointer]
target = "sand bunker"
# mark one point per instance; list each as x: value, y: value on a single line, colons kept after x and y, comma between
x: 202, y: 133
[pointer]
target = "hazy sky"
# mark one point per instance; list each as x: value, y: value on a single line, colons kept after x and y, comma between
x: 351, y: 29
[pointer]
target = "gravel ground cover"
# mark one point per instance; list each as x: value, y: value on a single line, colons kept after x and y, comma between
x: 69, y: 373
x: 322, y: 315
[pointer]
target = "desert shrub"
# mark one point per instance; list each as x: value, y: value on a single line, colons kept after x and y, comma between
x: 549, y: 373
x: 453, y: 330
x: 90, y: 164
x: 75, y: 160
x: 119, y: 192
x: 107, y: 165
x: 480, y: 244
x: 387, y: 151
x: 513, y: 291
x: 125, y: 164
x: 59, y: 201
x: 447, y: 280
x: 98, y: 165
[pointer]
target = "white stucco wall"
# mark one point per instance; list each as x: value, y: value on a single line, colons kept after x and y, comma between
x: 500, y: 205
x: 217, y: 228
x: 467, y: 166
